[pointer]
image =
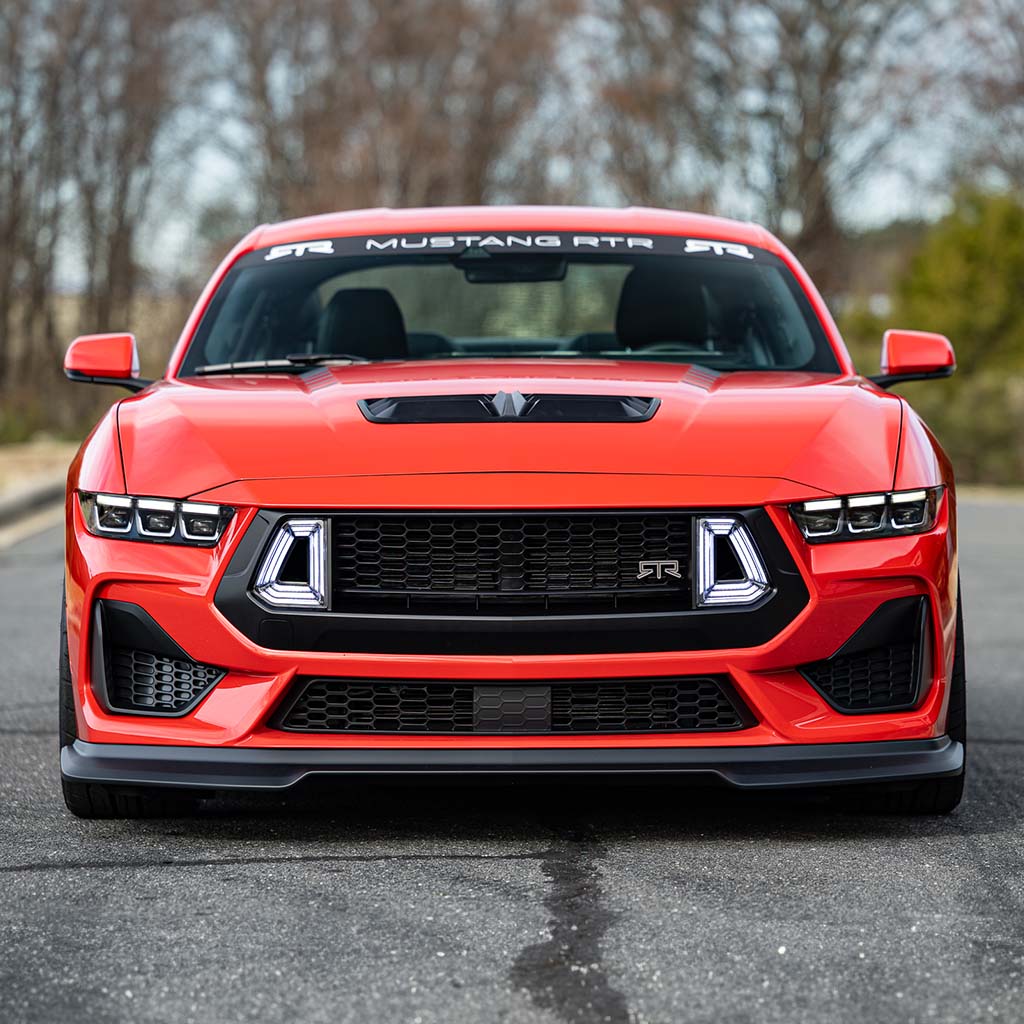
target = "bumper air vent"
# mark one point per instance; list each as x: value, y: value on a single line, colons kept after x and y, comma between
x: 698, y: 704
x: 883, y: 666
x: 141, y: 681
x: 137, y: 669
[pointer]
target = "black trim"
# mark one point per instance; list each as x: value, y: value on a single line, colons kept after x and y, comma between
x: 752, y: 768
x: 637, y: 632
x: 894, y: 622
x: 123, y: 624
x: 131, y: 383
x: 509, y: 407
x: 887, y: 380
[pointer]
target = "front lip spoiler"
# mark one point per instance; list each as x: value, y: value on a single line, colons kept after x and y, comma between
x: 751, y: 768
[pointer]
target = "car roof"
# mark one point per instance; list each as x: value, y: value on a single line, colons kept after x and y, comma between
x: 600, y: 219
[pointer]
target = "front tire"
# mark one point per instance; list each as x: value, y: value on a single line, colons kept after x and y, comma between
x: 98, y: 800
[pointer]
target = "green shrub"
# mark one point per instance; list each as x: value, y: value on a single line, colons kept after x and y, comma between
x: 967, y: 282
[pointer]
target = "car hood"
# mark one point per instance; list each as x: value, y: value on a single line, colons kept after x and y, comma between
x: 820, y: 432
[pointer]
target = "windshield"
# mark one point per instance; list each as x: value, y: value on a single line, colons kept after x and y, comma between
x: 667, y: 299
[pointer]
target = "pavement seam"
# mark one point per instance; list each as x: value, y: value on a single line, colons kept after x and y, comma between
x: 327, y: 858
x: 565, y: 974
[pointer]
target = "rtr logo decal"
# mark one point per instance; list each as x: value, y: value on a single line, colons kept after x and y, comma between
x: 325, y: 247
x: 718, y: 248
x: 659, y: 569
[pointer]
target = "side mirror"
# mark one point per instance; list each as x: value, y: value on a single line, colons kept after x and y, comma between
x: 105, y: 359
x: 914, y: 355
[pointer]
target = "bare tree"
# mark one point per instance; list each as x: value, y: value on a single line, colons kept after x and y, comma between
x: 34, y: 48
x: 654, y: 91
x: 993, y: 81
x: 354, y: 103
x: 768, y: 105
x: 127, y: 86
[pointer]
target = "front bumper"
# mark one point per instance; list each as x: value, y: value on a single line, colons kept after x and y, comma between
x: 751, y: 768
x: 177, y: 586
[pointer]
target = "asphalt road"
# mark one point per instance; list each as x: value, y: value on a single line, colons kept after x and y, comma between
x: 505, y: 904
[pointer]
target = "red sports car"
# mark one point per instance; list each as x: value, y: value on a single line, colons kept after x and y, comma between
x: 490, y: 491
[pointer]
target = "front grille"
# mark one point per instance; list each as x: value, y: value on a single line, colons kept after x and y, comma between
x: 881, y: 678
x: 698, y: 704
x: 481, y: 564
x: 153, y: 683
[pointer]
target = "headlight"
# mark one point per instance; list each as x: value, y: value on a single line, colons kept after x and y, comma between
x: 154, y: 519
x: 867, y: 516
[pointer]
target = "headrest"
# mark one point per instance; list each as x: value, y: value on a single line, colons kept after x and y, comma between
x: 659, y: 305
x: 365, y: 322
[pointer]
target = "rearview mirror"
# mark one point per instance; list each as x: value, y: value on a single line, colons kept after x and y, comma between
x: 914, y: 355
x: 105, y: 359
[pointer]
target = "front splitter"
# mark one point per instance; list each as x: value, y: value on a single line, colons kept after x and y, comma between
x: 767, y: 767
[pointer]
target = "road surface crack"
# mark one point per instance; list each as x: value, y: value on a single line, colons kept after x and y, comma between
x: 326, y: 858
x: 565, y: 974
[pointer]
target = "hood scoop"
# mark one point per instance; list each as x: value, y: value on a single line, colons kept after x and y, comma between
x: 510, y: 406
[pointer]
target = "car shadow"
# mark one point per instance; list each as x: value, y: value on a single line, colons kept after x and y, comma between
x: 538, y: 813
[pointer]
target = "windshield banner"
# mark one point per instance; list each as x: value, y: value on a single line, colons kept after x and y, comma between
x: 501, y: 242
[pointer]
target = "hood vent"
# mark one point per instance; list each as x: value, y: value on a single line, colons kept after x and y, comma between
x: 510, y: 406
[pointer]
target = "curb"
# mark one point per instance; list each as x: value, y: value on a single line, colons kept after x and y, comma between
x: 28, y: 499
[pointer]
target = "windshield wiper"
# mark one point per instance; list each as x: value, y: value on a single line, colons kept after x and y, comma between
x: 312, y: 358
x: 290, y: 364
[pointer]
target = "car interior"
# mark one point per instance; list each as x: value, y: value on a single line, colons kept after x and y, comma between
x: 722, y: 315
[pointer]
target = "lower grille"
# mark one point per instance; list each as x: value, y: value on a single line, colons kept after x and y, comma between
x: 883, y: 678
x: 153, y: 683
x: 698, y: 704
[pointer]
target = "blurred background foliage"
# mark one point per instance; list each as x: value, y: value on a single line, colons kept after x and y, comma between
x: 882, y: 139
x: 965, y: 278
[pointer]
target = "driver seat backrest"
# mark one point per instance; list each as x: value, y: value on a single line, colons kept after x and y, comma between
x: 661, y: 305
x: 364, y: 322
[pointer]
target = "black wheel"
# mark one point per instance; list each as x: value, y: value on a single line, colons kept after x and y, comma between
x: 936, y: 796
x: 96, y: 800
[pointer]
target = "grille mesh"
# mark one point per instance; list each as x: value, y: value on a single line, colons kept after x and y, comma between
x: 634, y: 706
x: 884, y: 677
x: 690, y: 705
x: 501, y: 564
x: 152, y: 683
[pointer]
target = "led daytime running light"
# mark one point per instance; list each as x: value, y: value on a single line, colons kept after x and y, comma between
x: 868, y: 516
x: 154, y: 519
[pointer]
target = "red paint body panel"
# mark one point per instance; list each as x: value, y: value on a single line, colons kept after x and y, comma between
x: 827, y: 433
x: 737, y: 441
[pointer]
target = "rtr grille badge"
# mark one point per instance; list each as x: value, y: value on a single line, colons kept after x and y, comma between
x: 659, y: 569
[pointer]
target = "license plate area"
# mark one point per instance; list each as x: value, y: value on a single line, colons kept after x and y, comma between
x: 512, y: 709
